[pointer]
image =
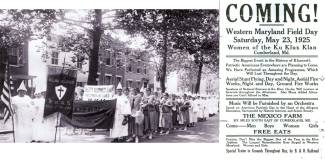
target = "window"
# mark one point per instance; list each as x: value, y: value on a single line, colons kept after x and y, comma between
x: 108, y: 80
x: 118, y: 79
x: 129, y: 84
x: 79, y: 63
x: 118, y: 62
x: 79, y: 84
x: 15, y: 56
x: 108, y: 61
x: 55, y: 58
x: 145, y: 70
x: 130, y: 68
x: 139, y: 69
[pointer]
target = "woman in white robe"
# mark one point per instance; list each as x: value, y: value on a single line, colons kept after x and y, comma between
x: 23, y: 115
x: 123, y: 109
x: 195, y: 109
x: 38, y: 109
x: 200, y: 108
x: 191, y: 113
x: 205, y: 104
x: 43, y: 128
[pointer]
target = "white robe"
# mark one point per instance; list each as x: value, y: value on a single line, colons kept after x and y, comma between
x: 38, y: 105
x: 205, y: 108
x: 23, y: 118
x: 43, y: 128
x: 123, y: 108
x: 49, y: 124
x: 195, y: 109
x: 200, y: 113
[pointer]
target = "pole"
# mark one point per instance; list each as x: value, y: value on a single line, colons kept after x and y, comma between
x: 56, y: 126
x: 12, y: 114
x: 13, y: 128
x: 58, y: 114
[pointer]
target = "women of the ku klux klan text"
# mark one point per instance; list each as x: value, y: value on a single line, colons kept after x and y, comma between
x: 271, y: 89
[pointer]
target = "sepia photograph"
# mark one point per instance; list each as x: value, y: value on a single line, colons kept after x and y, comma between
x: 109, y: 76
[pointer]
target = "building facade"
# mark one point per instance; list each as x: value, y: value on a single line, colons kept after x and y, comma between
x: 18, y: 67
x: 113, y: 67
x: 67, y: 59
x: 123, y: 68
x: 182, y: 82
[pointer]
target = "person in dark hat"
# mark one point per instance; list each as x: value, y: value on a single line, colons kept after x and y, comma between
x: 166, y: 118
x: 175, y: 111
x: 184, y: 112
x: 126, y: 92
x: 156, y: 105
x: 136, y: 118
x: 149, y: 111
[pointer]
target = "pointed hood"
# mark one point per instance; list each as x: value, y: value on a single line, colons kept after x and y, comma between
x: 22, y: 87
x: 119, y: 86
x: 142, y: 89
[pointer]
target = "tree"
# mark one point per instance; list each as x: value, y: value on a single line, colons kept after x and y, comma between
x: 95, y: 34
x: 84, y: 37
x: 199, y: 38
x: 19, y: 26
x: 173, y: 33
x: 158, y: 27
x: 79, y: 43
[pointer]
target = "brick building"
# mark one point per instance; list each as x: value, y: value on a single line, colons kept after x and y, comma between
x: 18, y: 65
x: 113, y: 67
x: 125, y: 68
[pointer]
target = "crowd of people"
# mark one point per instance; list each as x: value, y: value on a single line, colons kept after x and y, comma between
x: 142, y: 113
x: 138, y: 114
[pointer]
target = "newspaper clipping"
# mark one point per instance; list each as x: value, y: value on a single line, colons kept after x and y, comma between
x: 271, y: 94
x: 194, y: 79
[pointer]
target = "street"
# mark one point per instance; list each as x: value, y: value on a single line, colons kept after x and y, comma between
x: 204, y: 132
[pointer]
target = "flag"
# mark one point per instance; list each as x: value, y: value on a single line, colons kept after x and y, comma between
x: 6, y: 95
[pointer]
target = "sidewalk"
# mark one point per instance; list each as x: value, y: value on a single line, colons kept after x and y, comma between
x: 203, y: 132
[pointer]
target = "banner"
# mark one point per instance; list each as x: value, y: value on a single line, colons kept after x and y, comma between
x: 60, y: 92
x: 92, y: 114
x: 95, y: 93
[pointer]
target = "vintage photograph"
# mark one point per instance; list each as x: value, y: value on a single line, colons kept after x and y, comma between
x: 109, y: 76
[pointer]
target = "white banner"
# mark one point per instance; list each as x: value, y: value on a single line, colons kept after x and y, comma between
x: 94, y: 93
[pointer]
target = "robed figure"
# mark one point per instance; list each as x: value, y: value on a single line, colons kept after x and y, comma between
x: 23, y: 115
x: 43, y: 128
x: 122, y: 111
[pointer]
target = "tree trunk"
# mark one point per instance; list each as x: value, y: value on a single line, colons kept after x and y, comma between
x: 163, y: 72
x: 164, y: 61
x: 3, y: 55
x: 3, y: 62
x: 198, y: 79
x: 93, y: 58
